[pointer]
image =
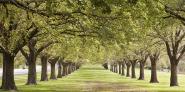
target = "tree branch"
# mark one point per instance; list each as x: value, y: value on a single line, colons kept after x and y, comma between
x: 173, y: 13
x: 24, y: 40
x: 45, y: 46
x: 181, y: 54
x: 24, y: 53
x: 168, y: 49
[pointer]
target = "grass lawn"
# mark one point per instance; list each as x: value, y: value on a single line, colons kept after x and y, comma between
x: 93, y: 78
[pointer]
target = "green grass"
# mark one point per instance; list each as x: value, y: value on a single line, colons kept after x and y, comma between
x: 93, y: 78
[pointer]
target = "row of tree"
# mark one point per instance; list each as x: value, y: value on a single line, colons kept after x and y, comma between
x: 91, y: 31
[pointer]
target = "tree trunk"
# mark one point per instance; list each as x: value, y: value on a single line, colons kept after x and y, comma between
x: 53, y: 75
x: 141, y: 75
x: 111, y: 68
x: 44, y: 75
x: 123, y: 69
x: 72, y: 67
x: 32, y: 76
x: 133, y: 69
x: 64, y: 70
x: 128, y: 70
x: 69, y: 68
x: 116, y: 68
x: 173, y: 78
x: 59, y: 70
x: 8, y: 82
x: 75, y: 67
x: 119, y: 68
x: 153, y: 78
x: 31, y: 70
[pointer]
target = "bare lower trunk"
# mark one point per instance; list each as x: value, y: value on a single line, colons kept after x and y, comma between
x: 59, y: 70
x: 133, y: 70
x: 153, y: 78
x: 32, y: 77
x: 111, y: 68
x: 75, y: 67
x: 173, y: 77
x: 72, y: 67
x: 8, y: 82
x: 53, y: 75
x: 69, y: 69
x: 128, y: 70
x: 116, y: 69
x: 141, y: 74
x: 44, y: 75
x: 123, y: 69
x: 120, y: 68
x: 64, y: 71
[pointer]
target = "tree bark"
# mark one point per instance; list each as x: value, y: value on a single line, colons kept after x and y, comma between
x: 44, y: 75
x: 53, y: 75
x: 8, y: 82
x: 173, y: 77
x: 59, y: 70
x: 74, y: 67
x: 53, y: 62
x: 69, y: 68
x: 31, y: 59
x: 123, y: 69
x: 141, y: 74
x: 119, y: 67
x: 153, y: 78
x: 32, y: 76
x: 64, y: 69
x: 128, y: 69
x: 111, y: 68
x: 133, y: 69
x: 116, y: 68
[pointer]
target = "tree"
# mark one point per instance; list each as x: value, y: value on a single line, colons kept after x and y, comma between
x: 133, y: 63
x: 175, y: 10
x: 173, y: 40
x: 53, y: 60
x: 13, y: 37
x: 128, y: 64
x: 119, y: 67
x: 154, y: 56
x: 142, y: 62
x: 31, y: 58
x: 64, y: 70
x: 60, y: 67
x: 123, y: 68
x: 44, y: 60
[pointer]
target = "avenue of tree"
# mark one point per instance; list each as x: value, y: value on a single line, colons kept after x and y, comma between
x: 116, y: 33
